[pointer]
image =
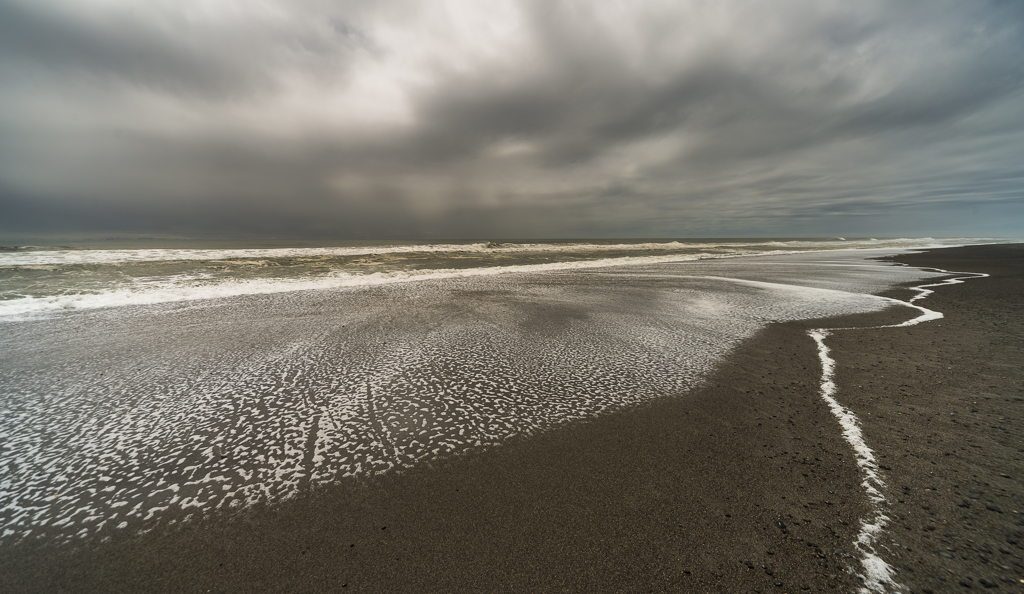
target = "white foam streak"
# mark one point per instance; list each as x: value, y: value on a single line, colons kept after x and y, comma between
x: 877, y: 573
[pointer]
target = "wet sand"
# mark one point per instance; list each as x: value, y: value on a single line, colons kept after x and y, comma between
x: 740, y: 486
x: 943, y: 402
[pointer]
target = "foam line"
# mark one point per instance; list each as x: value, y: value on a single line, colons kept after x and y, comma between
x: 42, y: 256
x: 186, y: 288
x: 877, y: 573
x: 74, y: 256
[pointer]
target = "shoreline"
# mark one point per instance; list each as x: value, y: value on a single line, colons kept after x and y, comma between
x: 679, y: 494
x: 945, y: 420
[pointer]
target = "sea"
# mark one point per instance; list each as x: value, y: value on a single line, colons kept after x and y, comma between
x: 36, y: 280
x: 146, y: 386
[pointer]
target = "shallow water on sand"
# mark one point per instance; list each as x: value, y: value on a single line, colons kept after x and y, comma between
x: 124, y: 417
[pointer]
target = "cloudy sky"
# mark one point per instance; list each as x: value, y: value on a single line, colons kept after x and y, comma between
x: 505, y: 119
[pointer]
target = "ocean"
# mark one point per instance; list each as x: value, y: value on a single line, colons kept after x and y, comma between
x: 144, y: 386
x: 36, y: 280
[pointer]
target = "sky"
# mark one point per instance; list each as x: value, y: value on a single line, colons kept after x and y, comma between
x: 511, y: 118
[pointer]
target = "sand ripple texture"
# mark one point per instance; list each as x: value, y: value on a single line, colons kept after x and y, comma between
x: 125, y: 418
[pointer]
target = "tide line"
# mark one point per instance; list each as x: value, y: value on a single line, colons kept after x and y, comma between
x: 877, y: 573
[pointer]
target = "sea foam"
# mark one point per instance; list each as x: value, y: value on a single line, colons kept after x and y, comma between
x: 58, y: 256
x: 190, y: 288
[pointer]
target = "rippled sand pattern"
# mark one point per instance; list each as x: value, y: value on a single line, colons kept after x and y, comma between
x: 128, y: 417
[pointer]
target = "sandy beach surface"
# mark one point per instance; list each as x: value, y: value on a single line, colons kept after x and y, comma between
x: 744, y: 485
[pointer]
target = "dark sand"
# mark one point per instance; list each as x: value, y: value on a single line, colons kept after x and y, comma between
x: 738, y: 487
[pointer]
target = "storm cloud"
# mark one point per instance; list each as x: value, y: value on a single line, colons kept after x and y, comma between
x: 511, y: 119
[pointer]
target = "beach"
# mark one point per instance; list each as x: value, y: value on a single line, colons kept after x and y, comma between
x: 742, y: 481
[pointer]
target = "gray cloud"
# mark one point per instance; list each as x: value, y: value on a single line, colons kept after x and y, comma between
x: 548, y: 119
x: 172, y: 51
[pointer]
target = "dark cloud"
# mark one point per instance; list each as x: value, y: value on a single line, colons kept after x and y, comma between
x: 519, y: 119
x: 169, y: 50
